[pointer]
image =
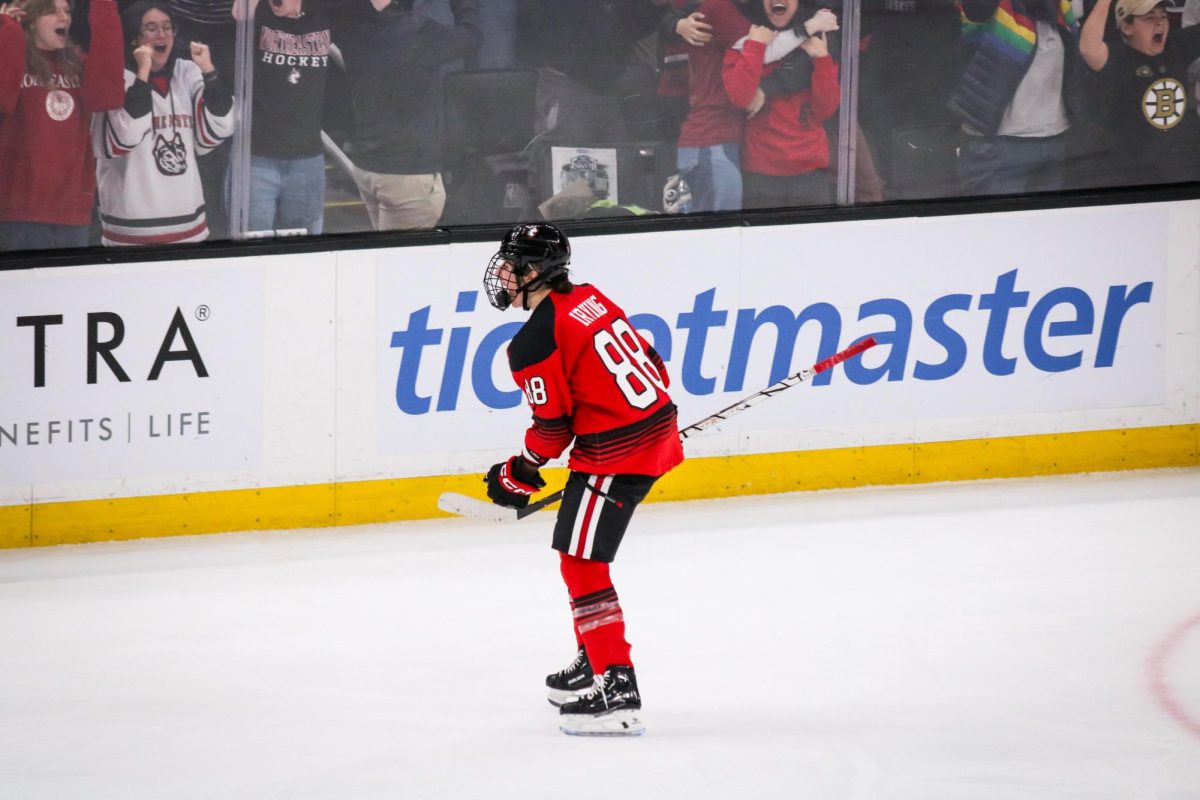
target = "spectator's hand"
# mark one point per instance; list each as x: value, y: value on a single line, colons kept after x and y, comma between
x: 202, y: 58
x: 761, y: 34
x: 756, y: 104
x: 815, y: 46
x: 824, y: 21
x: 143, y: 56
x: 693, y: 31
x: 13, y: 11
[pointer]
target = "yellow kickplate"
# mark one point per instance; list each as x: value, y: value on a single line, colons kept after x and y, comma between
x: 362, y: 502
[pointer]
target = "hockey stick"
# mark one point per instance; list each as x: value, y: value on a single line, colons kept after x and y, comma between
x: 462, y: 505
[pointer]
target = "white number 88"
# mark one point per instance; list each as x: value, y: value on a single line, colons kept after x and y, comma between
x: 629, y: 364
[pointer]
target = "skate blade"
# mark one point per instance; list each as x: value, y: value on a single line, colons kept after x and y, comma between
x: 617, y: 723
x: 559, y: 696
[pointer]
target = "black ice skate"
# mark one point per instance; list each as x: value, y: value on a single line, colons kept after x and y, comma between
x: 612, y: 708
x: 571, y: 682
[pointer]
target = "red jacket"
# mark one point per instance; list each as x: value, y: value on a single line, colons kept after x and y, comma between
x: 47, y: 170
x: 786, y: 137
x: 591, y: 379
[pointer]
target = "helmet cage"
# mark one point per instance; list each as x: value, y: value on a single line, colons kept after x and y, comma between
x: 521, y: 253
x: 497, y: 290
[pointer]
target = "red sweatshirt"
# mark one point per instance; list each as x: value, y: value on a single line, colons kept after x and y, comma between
x: 786, y: 137
x: 47, y: 170
x: 712, y: 119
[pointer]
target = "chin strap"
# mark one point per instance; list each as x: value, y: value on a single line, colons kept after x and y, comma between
x: 525, y: 288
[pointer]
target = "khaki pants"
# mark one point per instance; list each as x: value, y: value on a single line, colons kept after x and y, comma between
x: 401, y: 202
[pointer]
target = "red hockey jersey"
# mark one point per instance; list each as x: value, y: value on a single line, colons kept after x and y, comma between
x: 589, y: 377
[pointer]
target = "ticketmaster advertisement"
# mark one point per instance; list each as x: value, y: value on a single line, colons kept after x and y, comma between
x: 984, y: 324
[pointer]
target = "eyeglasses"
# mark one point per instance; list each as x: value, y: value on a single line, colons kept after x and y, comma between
x: 151, y: 28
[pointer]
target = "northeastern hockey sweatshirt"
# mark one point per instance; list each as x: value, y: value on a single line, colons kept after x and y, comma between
x: 47, y: 172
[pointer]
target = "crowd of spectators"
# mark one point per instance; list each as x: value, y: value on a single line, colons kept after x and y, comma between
x: 118, y: 117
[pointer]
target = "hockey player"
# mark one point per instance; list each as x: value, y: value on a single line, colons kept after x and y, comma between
x: 592, y: 380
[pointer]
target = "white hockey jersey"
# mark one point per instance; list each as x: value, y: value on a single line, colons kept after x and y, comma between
x: 147, y: 171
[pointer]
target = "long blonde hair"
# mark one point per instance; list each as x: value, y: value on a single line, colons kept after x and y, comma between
x: 70, y: 58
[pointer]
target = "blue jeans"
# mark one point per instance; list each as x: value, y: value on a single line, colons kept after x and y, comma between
x: 1012, y: 164
x: 714, y: 176
x: 41, y: 236
x: 287, y: 193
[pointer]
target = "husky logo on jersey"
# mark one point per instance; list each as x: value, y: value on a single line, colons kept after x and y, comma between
x: 59, y: 105
x: 1164, y: 103
x: 170, y: 155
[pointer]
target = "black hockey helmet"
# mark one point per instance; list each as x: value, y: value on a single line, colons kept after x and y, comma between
x: 526, y: 247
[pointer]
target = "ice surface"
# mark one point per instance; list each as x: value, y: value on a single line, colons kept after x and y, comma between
x: 978, y: 641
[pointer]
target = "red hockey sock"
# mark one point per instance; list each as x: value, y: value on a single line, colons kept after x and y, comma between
x: 599, y: 623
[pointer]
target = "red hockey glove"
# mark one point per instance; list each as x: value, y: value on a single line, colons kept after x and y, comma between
x: 510, y: 483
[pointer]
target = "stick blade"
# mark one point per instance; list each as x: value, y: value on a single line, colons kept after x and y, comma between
x: 464, y: 506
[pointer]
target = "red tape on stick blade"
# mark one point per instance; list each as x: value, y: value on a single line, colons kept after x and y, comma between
x: 849, y: 352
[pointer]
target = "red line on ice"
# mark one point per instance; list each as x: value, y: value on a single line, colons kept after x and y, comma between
x: 1158, y: 678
